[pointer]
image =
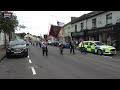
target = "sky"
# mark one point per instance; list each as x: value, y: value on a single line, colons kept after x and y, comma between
x: 38, y: 22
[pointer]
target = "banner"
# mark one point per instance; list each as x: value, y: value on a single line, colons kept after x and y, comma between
x: 54, y: 31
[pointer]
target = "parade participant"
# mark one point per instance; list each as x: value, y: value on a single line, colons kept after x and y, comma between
x: 61, y: 47
x: 44, y: 47
x: 72, y: 46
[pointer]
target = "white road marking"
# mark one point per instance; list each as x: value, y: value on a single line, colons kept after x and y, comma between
x: 110, y: 57
x: 30, y: 61
x: 28, y: 56
x: 33, y: 70
x: 107, y: 57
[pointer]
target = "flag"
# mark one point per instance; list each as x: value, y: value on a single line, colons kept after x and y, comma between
x: 54, y: 31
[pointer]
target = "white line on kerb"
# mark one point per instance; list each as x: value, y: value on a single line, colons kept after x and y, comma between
x: 28, y: 56
x: 30, y: 61
x: 33, y: 70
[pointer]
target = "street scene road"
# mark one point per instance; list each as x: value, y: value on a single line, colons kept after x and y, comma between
x: 59, y: 45
x: 57, y: 66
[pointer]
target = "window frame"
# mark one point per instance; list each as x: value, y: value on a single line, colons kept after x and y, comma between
x: 108, y: 18
x: 94, y: 23
x: 91, y: 43
x: 76, y: 28
x: 82, y: 26
x: 85, y: 43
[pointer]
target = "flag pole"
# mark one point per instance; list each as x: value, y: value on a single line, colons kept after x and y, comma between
x: 49, y: 28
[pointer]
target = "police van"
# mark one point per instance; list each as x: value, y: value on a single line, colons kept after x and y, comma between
x: 99, y: 48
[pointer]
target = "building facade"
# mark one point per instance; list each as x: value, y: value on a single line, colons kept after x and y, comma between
x: 67, y: 29
x: 103, y: 26
x: 78, y: 26
x: 2, y: 40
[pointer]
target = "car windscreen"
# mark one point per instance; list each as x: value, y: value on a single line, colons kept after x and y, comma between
x: 99, y: 43
x: 63, y: 41
x: 17, y: 42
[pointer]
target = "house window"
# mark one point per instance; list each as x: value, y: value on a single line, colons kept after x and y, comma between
x: 94, y: 22
x: 68, y: 28
x: 81, y: 26
x: 75, y: 28
x: 109, y: 19
x: 65, y: 31
x: 86, y: 24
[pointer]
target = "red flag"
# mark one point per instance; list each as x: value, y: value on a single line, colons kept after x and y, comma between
x: 54, y: 31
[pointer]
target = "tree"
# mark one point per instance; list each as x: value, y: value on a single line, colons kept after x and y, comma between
x: 8, y: 24
x: 21, y: 35
x: 21, y: 26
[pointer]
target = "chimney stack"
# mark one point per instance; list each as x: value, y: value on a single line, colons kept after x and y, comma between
x: 72, y: 18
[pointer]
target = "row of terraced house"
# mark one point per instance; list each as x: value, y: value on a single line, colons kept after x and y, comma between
x: 102, y: 26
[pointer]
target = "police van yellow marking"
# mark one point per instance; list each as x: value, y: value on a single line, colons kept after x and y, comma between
x: 94, y: 49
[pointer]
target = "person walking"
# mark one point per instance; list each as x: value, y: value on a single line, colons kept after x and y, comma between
x: 44, y: 47
x: 36, y: 44
x: 82, y: 48
x: 72, y: 46
x: 61, y: 47
x: 40, y: 44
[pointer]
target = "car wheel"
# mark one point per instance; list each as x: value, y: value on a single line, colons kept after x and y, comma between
x: 99, y: 52
x: 26, y: 54
x: 8, y: 55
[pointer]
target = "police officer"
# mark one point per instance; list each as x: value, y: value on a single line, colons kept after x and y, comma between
x: 82, y: 48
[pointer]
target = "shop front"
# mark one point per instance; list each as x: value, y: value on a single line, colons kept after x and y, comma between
x: 108, y: 35
x: 77, y: 35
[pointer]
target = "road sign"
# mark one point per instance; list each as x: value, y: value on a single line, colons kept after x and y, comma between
x: 45, y: 36
x: 7, y: 14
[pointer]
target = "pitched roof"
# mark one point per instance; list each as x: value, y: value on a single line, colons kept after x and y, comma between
x: 94, y: 13
x: 67, y: 24
x: 86, y: 16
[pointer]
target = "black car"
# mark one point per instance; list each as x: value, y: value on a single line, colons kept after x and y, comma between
x: 17, y: 47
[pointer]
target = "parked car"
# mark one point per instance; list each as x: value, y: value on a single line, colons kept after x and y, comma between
x: 55, y: 43
x: 17, y: 47
x: 49, y: 42
x: 99, y: 48
x: 66, y: 44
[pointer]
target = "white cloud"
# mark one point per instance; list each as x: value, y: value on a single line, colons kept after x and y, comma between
x: 37, y: 22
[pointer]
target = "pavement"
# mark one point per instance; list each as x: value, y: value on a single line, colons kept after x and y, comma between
x: 2, y: 52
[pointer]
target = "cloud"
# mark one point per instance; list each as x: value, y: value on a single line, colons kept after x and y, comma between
x: 37, y: 22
